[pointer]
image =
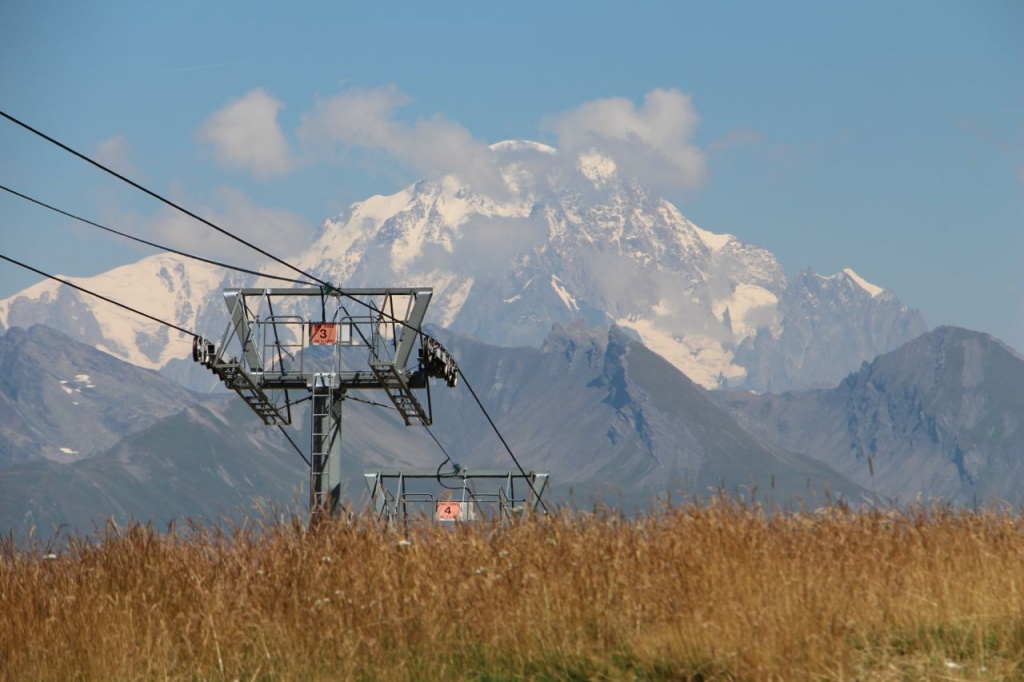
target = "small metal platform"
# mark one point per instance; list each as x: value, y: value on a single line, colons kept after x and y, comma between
x: 399, y: 495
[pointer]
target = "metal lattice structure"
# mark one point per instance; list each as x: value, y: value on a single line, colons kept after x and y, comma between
x: 287, y: 345
x: 396, y: 497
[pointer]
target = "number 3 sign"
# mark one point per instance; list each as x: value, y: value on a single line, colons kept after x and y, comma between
x: 323, y: 333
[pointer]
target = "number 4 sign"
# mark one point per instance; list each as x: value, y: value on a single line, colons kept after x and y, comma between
x: 449, y: 511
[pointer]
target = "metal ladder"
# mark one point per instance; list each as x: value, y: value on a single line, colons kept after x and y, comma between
x: 240, y: 383
x: 400, y: 393
x: 320, y: 437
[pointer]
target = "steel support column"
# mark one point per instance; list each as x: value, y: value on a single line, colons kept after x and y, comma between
x: 325, y: 445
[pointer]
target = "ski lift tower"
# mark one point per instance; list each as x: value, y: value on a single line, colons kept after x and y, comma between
x: 286, y: 345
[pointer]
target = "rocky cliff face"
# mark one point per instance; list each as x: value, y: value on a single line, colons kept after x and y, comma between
x: 63, y: 401
x: 941, y: 417
x: 831, y: 324
x: 602, y: 412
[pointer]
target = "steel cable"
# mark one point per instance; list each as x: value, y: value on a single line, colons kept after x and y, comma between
x: 149, y: 243
x: 252, y: 246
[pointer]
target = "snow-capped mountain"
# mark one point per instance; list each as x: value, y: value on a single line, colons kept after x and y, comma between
x: 166, y: 286
x: 568, y: 239
x: 578, y: 239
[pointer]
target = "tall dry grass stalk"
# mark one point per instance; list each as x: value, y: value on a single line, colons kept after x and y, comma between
x: 711, y: 592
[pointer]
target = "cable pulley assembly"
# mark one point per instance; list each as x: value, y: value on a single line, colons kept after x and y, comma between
x: 437, y: 362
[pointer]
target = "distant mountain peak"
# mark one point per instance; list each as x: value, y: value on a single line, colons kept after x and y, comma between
x: 569, y: 238
x: 596, y: 167
x: 872, y: 289
x: 942, y: 416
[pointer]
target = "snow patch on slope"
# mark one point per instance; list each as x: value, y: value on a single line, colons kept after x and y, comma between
x: 379, y: 207
x: 564, y: 294
x: 715, y: 242
x: 750, y: 307
x: 867, y: 286
x: 450, y: 294
x: 597, y: 168
x: 701, y: 358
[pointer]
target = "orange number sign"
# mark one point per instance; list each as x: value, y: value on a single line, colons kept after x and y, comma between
x: 449, y: 511
x: 323, y: 333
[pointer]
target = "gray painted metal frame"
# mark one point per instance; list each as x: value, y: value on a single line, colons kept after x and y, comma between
x: 263, y: 358
x: 392, y: 500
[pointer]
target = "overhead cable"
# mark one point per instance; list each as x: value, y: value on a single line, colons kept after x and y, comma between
x: 252, y: 246
x: 187, y: 212
x: 502, y: 439
x: 447, y: 458
x: 159, y: 197
x: 369, y: 402
x: 149, y: 243
x: 100, y: 296
x: 303, y: 456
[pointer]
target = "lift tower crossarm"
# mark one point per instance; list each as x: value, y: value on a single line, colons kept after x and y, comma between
x: 236, y: 306
x: 411, y: 328
x: 312, y: 341
x: 332, y: 291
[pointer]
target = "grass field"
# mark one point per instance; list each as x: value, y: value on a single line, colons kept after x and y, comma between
x: 705, y: 592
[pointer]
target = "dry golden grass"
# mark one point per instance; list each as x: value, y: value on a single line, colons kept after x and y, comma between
x: 712, y: 592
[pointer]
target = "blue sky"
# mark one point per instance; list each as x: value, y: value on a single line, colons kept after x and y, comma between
x: 883, y: 136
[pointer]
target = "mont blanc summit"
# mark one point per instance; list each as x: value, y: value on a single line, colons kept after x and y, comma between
x: 566, y: 239
x: 554, y: 240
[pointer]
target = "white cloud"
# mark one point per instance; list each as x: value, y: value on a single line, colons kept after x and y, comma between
x: 434, y: 146
x: 486, y: 246
x: 245, y: 135
x: 357, y: 117
x: 652, y: 142
x: 276, y: 231
x: 113, y: 152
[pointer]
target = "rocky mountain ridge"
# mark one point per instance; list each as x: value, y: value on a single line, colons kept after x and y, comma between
x: 609, y: 419
x: 63, y: 401
x: 940, y: 417
x: 568, y: 239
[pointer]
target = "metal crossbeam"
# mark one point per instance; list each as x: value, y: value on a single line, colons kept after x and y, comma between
x: 321, y: 342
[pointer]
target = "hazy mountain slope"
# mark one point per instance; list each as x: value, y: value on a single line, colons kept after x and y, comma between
x: 209, y: 461
x: 941, y: 416
x: 62, y: 400
x: 598, y: 411
x: 603, y: 412
x: 199, y: 463
x: 830, y: 323
x: 565, y: 239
